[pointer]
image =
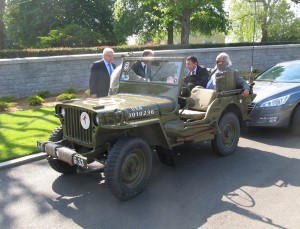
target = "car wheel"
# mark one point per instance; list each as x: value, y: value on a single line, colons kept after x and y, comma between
x: 128, y: 167
x: 295, y: 125
x: 227, y: 137
x: 58, y: 165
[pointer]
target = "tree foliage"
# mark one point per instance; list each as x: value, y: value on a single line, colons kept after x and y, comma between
x: 274, y: 21
x: 28, y: 20
x: 71, y: 35
x: 161, y: 16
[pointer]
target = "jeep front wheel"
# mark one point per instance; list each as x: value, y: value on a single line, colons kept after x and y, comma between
x: 58, y: 165
x: 128, y: 167
x: 228, y: 134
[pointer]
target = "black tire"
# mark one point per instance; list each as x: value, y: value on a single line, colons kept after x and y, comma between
x: 58, y: 165
x: 128, y: 167
x: 295, y: 124
x: 227, y: 137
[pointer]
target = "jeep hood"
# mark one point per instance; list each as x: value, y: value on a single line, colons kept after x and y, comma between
x: 125, y: 102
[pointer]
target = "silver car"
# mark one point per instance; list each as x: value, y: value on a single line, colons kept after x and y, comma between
x: 277, y: 103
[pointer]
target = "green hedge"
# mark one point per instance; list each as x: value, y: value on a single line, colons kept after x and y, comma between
x: 18, y: 53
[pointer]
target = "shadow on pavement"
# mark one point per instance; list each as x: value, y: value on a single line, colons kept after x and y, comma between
x: 201, y: 186
x: 181, y: 197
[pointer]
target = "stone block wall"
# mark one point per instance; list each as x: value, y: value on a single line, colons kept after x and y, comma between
x: 22, y: 77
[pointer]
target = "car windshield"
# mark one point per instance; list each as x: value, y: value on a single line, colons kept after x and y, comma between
x: 159, y: 76
x: 288, y: 73
x: 154, y: 71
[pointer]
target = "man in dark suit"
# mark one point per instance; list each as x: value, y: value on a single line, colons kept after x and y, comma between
x: 143, y: 68
x: 100, y: 74
x: 223, y: 64
x: 197, y: 75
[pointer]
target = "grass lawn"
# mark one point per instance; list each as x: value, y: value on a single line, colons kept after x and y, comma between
x: 20, y: 130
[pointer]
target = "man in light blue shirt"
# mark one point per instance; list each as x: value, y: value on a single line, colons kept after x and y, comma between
x: 223, y: 64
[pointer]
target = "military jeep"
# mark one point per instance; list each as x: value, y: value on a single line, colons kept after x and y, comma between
x: 141, y: 116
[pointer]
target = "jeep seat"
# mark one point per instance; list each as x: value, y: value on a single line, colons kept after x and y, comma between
x: 203, y: 98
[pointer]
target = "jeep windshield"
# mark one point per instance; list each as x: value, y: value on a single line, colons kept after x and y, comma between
x: 148, y: 76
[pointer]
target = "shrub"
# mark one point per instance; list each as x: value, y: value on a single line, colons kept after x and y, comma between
x: 7, y: 98
x: 44, y: 94
x: 256, y: 71
x: 70, y: 91
x: 65, y: 96
x: 3, y: 106
x: 34, y: 100
x: 88, y: 92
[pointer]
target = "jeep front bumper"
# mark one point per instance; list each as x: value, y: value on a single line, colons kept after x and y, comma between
x: 63, y: 153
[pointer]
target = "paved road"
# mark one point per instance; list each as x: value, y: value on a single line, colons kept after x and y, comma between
x: 257, y: 187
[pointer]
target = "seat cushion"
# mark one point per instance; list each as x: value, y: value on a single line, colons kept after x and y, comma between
x: 203, y: 98
x: 191, y: 114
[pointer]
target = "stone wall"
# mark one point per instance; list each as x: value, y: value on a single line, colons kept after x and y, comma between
x: 22, y: 77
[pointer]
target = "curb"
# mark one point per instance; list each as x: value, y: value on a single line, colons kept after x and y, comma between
x: 22, y: 160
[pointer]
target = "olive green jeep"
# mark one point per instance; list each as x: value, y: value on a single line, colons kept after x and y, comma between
x: 141, y: 116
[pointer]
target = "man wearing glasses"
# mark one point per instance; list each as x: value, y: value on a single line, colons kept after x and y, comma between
x: 223, y: 64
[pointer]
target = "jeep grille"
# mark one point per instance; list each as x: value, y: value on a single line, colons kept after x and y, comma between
x: 74, y: 129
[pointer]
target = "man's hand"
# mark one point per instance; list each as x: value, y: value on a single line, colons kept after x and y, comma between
x: 245, y: 93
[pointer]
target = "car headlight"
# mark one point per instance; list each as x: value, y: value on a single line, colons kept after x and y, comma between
x: 62, y: 112
x: 275, y: 102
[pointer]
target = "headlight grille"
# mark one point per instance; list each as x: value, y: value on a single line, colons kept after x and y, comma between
x: 250, y: 107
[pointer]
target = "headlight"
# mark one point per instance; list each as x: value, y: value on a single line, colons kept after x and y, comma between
x: 97, y: 119
x: 62, y: 112
x: 276, y: 102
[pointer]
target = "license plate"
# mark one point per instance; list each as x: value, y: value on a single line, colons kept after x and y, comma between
x: 80, y: 161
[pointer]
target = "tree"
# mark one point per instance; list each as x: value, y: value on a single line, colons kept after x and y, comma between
x: 96, y: 15
x: 162, y: 17
x: 273, y: 20
x: 28, y: 20
x: 2, y: 29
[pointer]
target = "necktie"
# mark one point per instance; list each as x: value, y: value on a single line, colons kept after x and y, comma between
x: 110, y: 70
x: 145, y: 70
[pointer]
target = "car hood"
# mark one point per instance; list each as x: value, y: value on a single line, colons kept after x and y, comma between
x: 264, y: 89
x: 125, y: 102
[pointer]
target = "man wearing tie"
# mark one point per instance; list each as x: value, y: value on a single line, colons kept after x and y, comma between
x: 143, y: 69
x: 197, y: 75
x: 100, y: 74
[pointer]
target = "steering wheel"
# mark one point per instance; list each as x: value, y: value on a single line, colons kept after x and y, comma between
x: 185, y: 91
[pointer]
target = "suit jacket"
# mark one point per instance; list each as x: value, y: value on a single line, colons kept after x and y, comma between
x: 199, y: 79
x: 138, y: 68
x: 99, y: 79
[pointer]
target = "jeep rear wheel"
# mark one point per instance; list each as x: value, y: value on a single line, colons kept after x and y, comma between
x: 58, y: 165
x: 128, y: 167
x: 227, y: 137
